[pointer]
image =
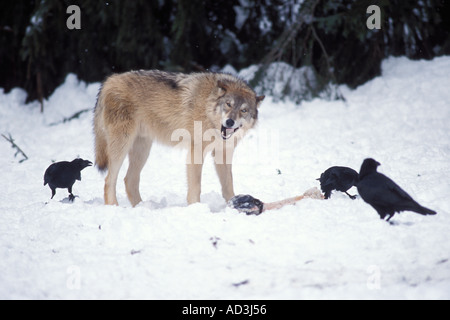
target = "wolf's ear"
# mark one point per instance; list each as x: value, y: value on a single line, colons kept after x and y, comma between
x: 259, y: 99
x: 221, y: 88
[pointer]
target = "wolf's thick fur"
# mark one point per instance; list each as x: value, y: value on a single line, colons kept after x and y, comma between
x: 138, y: 107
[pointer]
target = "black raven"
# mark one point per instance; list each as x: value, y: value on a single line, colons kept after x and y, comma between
x: 383, y: 194
x: 338, y: 178
x: 63, y: 175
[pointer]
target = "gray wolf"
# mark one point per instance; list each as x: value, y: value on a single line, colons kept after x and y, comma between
x: 64, y: 174
x: 383, y: 194
x: 210, y: 112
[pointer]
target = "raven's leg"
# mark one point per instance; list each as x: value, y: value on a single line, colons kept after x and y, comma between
x: 53, y: 192
x: 71, y: 196
x: 351, y: 197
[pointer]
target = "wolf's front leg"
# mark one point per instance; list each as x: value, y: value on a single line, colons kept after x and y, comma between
x: 222, y: 160
x: 226, y: 180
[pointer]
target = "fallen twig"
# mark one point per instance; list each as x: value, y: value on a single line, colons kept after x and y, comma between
x: 15, y: 146
x: 74, y: 116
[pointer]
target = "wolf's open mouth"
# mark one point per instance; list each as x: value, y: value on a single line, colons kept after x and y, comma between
x: 227, y: 132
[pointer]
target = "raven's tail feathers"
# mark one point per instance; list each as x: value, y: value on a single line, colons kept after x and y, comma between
x: 425, y: 211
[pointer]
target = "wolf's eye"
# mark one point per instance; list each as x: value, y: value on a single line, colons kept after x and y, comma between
x: 228, y: 104
x: 244, y: 110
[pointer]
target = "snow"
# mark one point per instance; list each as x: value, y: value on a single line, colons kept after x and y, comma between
x: 164, y: 249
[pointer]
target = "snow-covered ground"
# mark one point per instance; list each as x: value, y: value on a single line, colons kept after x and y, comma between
x: 164, y: 249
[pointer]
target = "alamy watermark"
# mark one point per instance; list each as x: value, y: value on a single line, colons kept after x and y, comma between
x: 264, y: 147
x: 74, y: 20
x: 374, y: 20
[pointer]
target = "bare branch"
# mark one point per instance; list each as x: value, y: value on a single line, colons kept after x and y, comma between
x: 15, y: 146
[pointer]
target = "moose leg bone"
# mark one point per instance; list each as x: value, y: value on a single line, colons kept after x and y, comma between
x: 251, y: 205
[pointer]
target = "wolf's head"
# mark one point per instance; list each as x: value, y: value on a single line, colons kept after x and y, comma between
x: 238, y: 104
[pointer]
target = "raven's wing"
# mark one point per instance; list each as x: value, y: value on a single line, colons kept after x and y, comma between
x: 346, y: 179
x: 392, y: 193
x: 406, y: 202
x: 376, y: 189
x: 395, y: 198
x: 329, y: 180
x: 401, y: 194
x: 61, y: 174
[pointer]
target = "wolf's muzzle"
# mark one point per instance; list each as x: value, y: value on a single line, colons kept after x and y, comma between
x: 228, y: 129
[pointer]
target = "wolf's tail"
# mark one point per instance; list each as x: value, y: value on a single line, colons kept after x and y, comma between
x: 101, y: 146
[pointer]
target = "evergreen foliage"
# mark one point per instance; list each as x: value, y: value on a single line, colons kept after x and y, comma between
x: 326, y: 39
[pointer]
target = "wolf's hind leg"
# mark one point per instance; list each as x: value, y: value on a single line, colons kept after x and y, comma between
x: 111, y: 180
x: 138, y: 155
x: 194, y: 178
x: 117, y: 150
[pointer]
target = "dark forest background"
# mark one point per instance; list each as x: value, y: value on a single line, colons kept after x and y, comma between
x: 37, y: 50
